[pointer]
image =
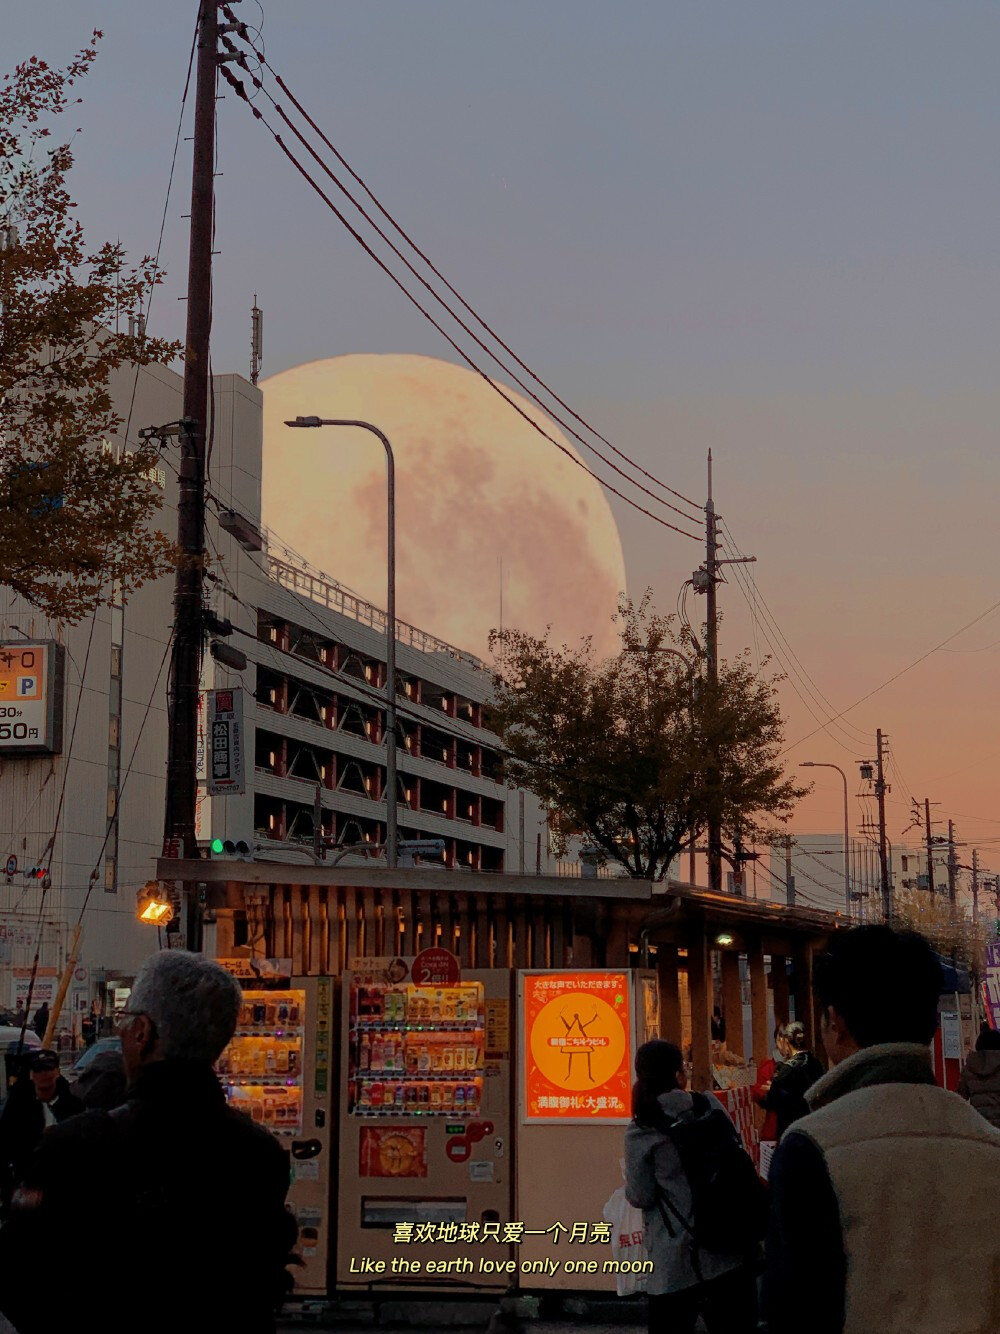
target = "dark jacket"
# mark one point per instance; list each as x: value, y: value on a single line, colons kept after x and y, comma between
x: 979, y: 1084
x: 182, y: 1183
x: 22, y: 1122
x: 786, y: 1097
x: 874, y: 1195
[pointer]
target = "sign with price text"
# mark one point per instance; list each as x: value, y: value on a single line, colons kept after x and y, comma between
x: 31, y: 697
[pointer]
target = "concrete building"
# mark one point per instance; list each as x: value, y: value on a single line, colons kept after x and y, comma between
x: 313, y: 726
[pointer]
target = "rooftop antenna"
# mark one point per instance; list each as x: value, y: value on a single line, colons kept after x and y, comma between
x: 256, y: 340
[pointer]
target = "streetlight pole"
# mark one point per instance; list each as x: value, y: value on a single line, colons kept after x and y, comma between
x: 391, y: 820
x: 810, y: 764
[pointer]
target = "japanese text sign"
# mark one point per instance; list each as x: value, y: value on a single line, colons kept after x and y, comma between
x: 576, y: 1047
x: 225, y: 740
x: 31, y: 698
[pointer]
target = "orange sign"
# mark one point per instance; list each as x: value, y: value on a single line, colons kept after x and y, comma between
x: 577, y: 1047
x: 392, y: 1151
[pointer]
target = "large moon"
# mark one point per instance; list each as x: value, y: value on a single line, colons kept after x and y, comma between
x: 477, y: 490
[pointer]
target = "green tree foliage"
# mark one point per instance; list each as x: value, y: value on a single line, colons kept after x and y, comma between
x: 75, y: 511
x: 635, y: 751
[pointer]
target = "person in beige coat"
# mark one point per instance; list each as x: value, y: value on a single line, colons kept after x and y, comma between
x: 877, y: 1192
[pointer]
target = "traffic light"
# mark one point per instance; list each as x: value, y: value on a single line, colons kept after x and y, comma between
x: 238, y: 850
x: 39, y: 873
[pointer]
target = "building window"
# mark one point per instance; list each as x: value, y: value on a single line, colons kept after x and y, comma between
x: 906, y: 863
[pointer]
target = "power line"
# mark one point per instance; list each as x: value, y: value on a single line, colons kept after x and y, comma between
x: 794, y: 666
x: 264, y: 63
x: 790, y: 671
x: 902, y: 672
x: 241, y: 92
x: 166, y: 206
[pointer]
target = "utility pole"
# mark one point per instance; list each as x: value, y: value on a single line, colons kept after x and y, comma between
x: 706, y: 581
x: 975, y: 884
x: 712, y: 661
x: 881, y: 789
x: 789, y: 878
x: 185, y: 679
x: 952, y: 862
x: 930, y: 844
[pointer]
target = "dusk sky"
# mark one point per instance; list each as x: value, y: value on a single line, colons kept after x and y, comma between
x: 767, y: 229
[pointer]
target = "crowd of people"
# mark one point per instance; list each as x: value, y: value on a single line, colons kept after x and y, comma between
x: 880, y: 1207
x: 144, y: 1151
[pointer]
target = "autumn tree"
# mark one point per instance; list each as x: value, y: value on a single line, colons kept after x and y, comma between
x: 76, y: 508
x: 636, y: 750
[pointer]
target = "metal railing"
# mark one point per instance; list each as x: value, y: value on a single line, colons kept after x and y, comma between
x: 318, y: 587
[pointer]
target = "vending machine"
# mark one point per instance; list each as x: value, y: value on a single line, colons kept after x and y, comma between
x: 425, y: 1147
x: 577, y: 1035
x: 279, y: 1070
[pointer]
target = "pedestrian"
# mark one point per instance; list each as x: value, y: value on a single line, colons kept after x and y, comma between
x: 177, y: 1177
x: 43, y: 1099
x: 765, y: 1074
x: 718, y: 1025
x: 20, y: 1017
x: 877, y: 1191
x: 88, y: 1029
x: 800, y: 1069
x: 40, y: 1022
x: 979, y: 1082
x: 700, y: 1258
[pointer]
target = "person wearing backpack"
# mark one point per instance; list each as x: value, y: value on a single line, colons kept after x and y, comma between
x: 703, y: 1206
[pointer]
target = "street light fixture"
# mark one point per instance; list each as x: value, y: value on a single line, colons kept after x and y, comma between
x: 811, y: 764
x: 392, y: 825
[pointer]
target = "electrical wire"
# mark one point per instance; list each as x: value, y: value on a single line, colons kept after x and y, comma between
x: 264, y: 64
x: 824, y: 704
x: 457, y: 318
x: 166, y: 206
x: 563, y: 449
x: 112, y: 823
x: 848, y: 745
x: 903, y: 670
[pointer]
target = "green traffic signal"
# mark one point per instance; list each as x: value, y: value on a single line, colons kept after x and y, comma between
x: 217, y: 846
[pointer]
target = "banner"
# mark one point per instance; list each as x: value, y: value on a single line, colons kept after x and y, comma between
x: 46, y: 982
x: 576, y: 1047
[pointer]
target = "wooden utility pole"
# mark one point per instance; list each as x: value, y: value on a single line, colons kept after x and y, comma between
x: 975, y: 884
x: 714, y: 830
x: 952, y: 863
x: 881, y: 788
x: 930, y: 844
x: 182, y: 782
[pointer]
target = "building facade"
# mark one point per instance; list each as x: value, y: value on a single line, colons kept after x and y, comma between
x: 314, y: 727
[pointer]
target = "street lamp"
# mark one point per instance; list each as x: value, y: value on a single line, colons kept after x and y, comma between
x: 392, y: 828
x: 810, y: 764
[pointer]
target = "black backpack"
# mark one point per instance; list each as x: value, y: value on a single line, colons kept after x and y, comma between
x: 729, y: 1200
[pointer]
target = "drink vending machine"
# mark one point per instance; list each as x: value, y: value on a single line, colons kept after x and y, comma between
x: 279, y: 1070
x: 425, y: 1119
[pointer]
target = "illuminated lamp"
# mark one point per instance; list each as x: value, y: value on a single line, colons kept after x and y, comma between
x: 724, y: 939
x: 153, y: 906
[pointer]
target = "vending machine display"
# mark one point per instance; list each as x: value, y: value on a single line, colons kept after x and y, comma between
x: 262, y: 1068
x: 424, y: 1136
x: 416, y: 1050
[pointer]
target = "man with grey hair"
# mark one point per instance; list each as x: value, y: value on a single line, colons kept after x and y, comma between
x: 178, y: 1178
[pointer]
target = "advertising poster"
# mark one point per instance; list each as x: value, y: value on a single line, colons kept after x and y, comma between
x: 392, y: 1151
x: 576, y: 1045
x: 31, y: 689
x: 46, y: 981
x: 225, y: 740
